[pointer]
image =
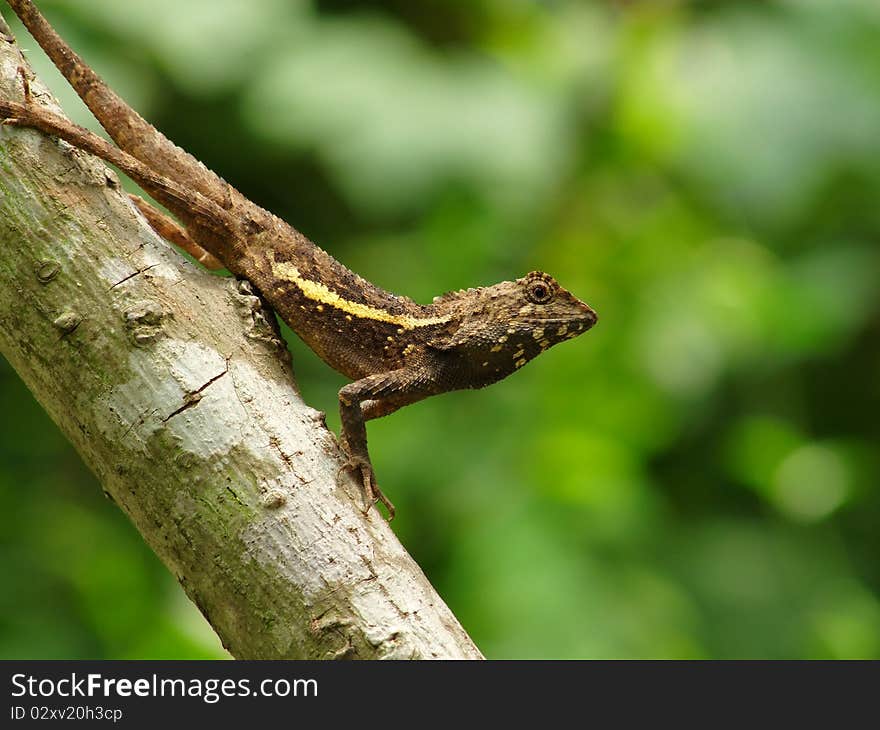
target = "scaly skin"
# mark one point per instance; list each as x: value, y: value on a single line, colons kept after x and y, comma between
x: 396, y: 351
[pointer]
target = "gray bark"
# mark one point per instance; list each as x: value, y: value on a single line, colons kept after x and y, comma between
x: 176, y: 390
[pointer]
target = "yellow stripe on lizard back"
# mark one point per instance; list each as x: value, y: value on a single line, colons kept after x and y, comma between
x: 320, y: 293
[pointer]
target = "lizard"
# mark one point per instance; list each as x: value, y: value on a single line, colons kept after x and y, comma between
x: 395, y: 351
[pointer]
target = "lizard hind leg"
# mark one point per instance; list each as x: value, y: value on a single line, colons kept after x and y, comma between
x: 25, y: 83
x: 188, y: 204
x: 126, y: 127
x: 172, y: 232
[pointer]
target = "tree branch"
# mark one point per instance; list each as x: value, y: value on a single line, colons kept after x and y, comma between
x: 176, y: 390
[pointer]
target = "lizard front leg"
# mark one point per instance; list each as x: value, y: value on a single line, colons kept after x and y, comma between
x: 373, y: 397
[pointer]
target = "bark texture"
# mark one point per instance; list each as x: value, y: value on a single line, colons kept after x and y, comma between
x: 175, y: 388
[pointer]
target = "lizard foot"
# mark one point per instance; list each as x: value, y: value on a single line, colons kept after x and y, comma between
x: 7, y: 113
x: 25, y: 84
x: 372, y: 493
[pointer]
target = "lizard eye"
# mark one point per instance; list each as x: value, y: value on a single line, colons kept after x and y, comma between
x: 540, y: 291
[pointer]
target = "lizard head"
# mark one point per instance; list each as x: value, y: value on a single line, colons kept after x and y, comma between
x: 539, y: 301
x: 510, y: 323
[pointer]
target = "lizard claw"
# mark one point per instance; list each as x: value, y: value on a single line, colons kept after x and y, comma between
x: 372, y: 493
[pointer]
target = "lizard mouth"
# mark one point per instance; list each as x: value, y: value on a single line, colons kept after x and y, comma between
x: 582, y: 323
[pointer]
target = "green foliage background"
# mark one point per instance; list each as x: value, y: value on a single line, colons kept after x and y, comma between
x: 696, y: 477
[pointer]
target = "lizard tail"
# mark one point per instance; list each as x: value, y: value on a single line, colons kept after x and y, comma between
x: 125, y: 126
x: 214, y: 223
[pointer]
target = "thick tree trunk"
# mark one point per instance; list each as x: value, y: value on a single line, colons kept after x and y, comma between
x: 174, y: 387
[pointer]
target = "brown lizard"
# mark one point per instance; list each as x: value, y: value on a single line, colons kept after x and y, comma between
x: 396, y: 351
